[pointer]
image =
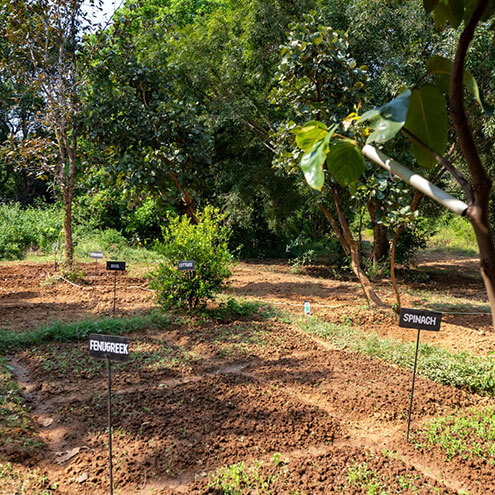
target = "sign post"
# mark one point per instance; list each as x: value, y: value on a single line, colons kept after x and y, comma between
x: 422, y: 320
x: 116, y: 266
x: 189, y: 267
x: 96, y: 255
x: 111, y: 348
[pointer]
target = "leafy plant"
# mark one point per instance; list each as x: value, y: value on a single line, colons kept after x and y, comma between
x: 205, y: 243
x: 467, y: 435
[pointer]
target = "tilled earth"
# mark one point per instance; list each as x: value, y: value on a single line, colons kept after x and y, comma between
x: 200, y: 395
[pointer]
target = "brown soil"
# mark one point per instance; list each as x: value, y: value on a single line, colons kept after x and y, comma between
x: 198, y: 396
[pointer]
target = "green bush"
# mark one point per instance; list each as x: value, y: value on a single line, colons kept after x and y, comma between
x: 454, y: 233
x: 22, y: 229
x: 206, y: 243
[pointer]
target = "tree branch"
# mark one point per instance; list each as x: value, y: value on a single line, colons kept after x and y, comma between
x: 466, y: 187
x: 481, y: 181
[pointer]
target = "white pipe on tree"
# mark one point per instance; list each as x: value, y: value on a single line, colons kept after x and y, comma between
x: 415, y: 180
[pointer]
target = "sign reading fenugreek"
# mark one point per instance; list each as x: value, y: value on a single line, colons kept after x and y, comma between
x: 420, y: 319
x: 186, y: 266
x: 110, y: 347
x: 98, y: 255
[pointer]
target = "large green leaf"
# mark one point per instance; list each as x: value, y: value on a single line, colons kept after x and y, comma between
x: 427, y: 120
x: 442, y: 67
x: 312, y: 132
x: 387, y: 120
x: 345, y: 162
x: 312, y: 161
x: 429, y: 5
x: 455, y: 12
x: 451, y: 11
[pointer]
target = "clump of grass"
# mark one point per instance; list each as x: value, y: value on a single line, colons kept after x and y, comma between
x: 467, y: 435
x: 234, y: 309
x: 80, y: 330
x: 239, y: 479
x: 463, y: 370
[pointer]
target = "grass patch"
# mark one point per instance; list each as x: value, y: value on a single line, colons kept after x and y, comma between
x: 17, y: 436
x: 463, y: 370
x: 233, y: 309
x: 239, y: 479
x: 80, y: 330
x: 468, y: 435
x: 454, y: 234
x: 15, y: 481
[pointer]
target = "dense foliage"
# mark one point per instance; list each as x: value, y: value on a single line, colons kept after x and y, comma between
x: 185, y: 104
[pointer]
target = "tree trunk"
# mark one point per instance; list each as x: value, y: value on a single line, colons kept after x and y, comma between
x: 392, y: 267
x: 481, y: 226
x: 380, y: 236
x: 364, y: 281
x: 477, y: 212
x: 69, y: 245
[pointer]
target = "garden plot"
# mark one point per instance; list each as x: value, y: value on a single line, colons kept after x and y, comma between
x: 245, y: 401
x: 196, y: 399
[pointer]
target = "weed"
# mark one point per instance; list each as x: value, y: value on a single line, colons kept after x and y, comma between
x: 80, y: 330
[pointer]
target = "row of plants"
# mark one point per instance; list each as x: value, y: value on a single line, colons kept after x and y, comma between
x: 463, y: 370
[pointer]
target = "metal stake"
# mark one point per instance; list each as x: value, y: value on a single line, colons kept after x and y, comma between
x: 412, y: 388
x: 114, y: 292
x: 110, y: 423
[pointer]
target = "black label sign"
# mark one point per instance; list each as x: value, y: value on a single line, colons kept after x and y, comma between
x: 420, y: 319
x: 186, y: 265
x: 96, y: 254
x: 108, y: 346
x: 116, y: 265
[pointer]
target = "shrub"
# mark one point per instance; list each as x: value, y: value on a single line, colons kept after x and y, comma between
x: 206, y: 243
x: 21, y: 229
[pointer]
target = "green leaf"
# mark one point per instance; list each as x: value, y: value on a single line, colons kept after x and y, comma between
x: 387, y: 120
x: 429, y: 5
x: 345, y: 162
x: 312, y: 132
x: 440, y: 16
x: 313, y: 160
x: 427, y: 120
x: 455, y: 12
x: 442, y: 67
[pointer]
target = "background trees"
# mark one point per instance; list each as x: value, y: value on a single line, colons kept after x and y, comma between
x: 187, y: 103
x: 43, y: 38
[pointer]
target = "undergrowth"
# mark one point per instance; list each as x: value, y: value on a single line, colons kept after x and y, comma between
x: 463, y: 370
x: 80, y: 330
